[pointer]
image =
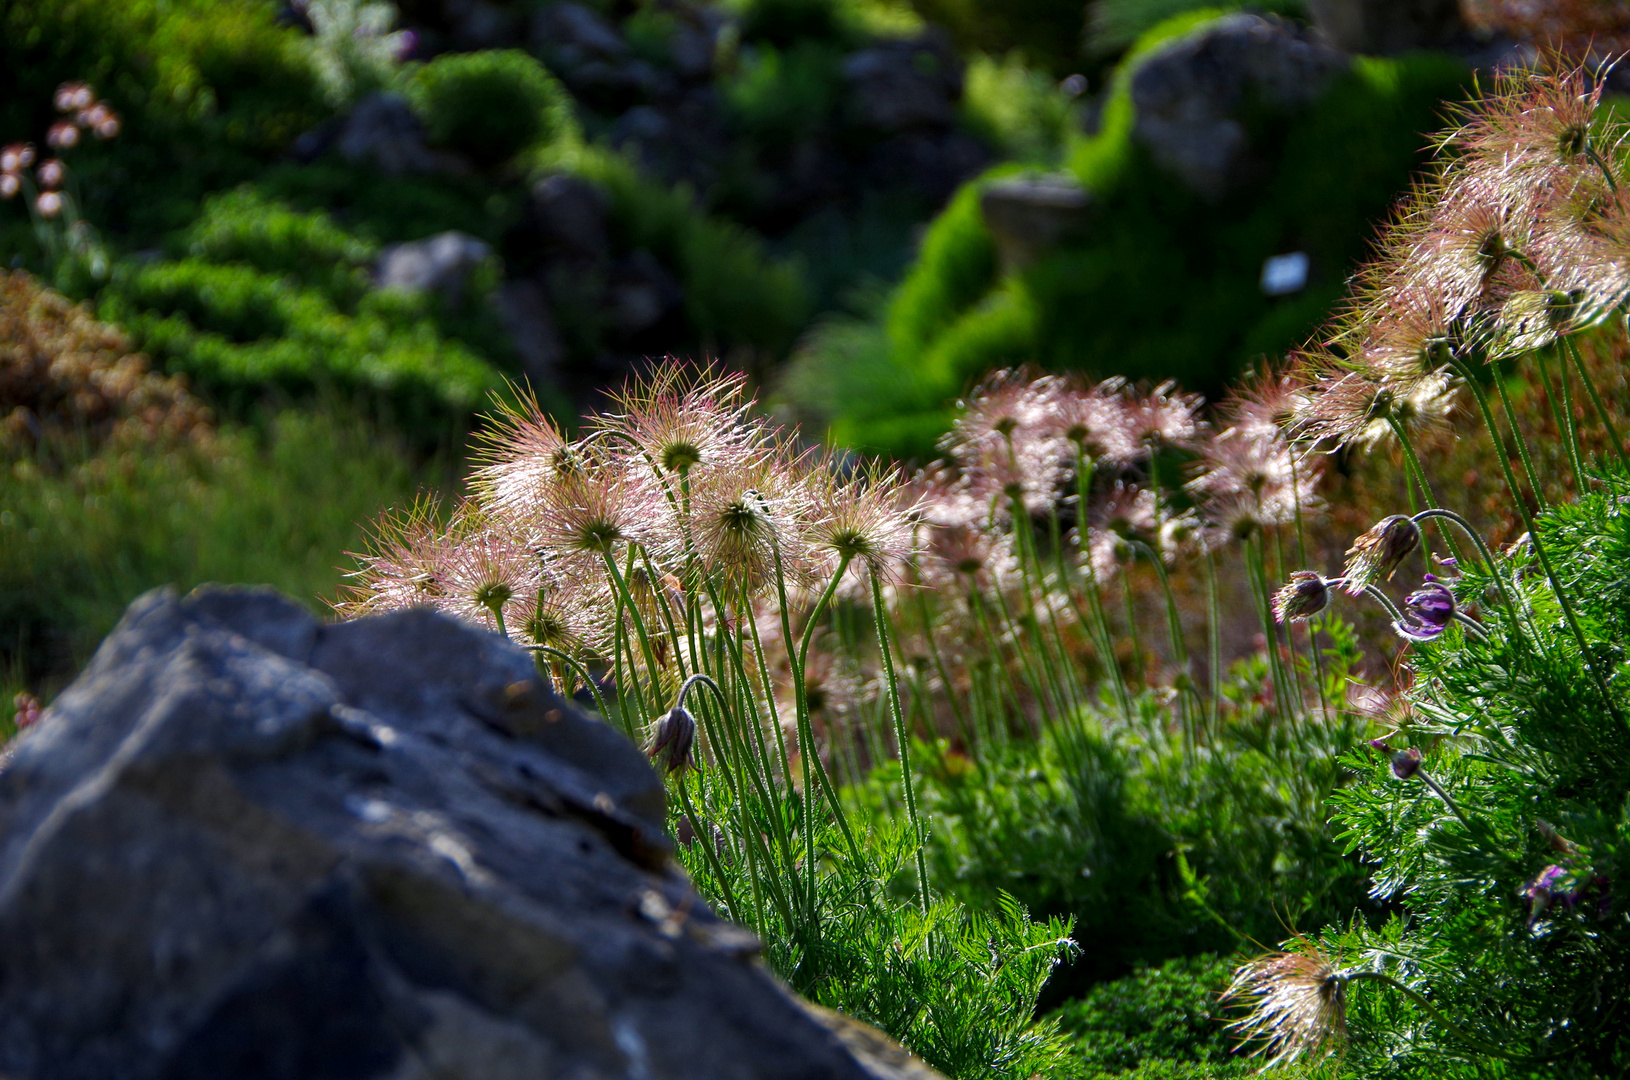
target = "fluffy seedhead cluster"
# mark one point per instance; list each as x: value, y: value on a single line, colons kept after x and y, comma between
x: 676, y: 516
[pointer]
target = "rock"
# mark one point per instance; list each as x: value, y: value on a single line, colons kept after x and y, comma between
x: 439, y: 263
x: 1029, y: 214
x: 383, y: 132
x: 641, y: 294
x: 1389, y: 26
x: 931, y: 163
x: 566, y: 215
x: 692, y: 49
x: 571, y: 34
x: 901, y: 84
x: 1188, y: 94
x: 479, y: 24
x: 524, y: 308
x: 243, y: 844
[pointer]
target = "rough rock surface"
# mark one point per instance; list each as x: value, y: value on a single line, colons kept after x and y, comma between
x: 383, y: 132
x: 1188, y: 97
x: 244, y: 844
x: 439, y: 263
x: 1029, y: 214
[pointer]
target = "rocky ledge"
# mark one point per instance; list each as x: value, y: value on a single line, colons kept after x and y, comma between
x: 247, y: 844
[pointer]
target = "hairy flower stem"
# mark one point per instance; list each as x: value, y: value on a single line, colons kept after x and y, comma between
x: 1460, y: 1034
x: 1213, y: 642
x: 1482, y: 549
x: 902, y: 737
x: 1562, y: 413
x: 1180, y: 652
x: 732, y: 906
x: 1596, y: 402
x: 1518, y: 438
x: 1545, y: 564
x: 577, y: 669
x: 1414, y: 463
x: 800, y: 665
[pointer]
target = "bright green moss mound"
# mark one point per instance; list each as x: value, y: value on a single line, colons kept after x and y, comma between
x: 490, y: 105
x: 1161, y: 284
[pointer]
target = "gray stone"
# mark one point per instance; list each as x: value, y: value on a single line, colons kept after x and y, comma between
x: 525, y: 310
x: 567, y: 216
x: 1029, y: 214
x: 439, y: 264
x: 641, y: 293
x: 571, y: 34
x: 243, y: 844
x: 1389, y: 26
x: 900, y: 84
x: 480, y: 24
x: 383, y: 132
x: 1187, y: 96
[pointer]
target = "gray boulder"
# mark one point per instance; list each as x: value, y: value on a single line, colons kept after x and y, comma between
x: 244, y: 844
x: 1029, y: 214
x: 1188, y: 95
x: 1389, y: 26
x: 383, y: 132
x: 901, y: 84
x: 525, y: 310
x: 439, y: 263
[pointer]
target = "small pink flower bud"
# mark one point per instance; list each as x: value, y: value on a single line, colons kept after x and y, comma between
x: 676, y: 735
x: 51, y: 173
x: 49, y: 203
x: 73, y: 95
x: 9, y: 185
x: 64, y: 135
x: 108, y: 128
x: 28, y: 710
x: 16, y: 157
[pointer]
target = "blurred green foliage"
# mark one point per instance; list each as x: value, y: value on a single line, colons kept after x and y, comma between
x: 83, y: 532
x: 490, y: 105
x: 1162, y: 1020
x: 1162, y: 283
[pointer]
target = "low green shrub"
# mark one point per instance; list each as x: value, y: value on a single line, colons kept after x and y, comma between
x: 84, y: 531
x: 491, y: 105
x: 778, y: 97
x: 1162, y: 1021
x: 244, y: 226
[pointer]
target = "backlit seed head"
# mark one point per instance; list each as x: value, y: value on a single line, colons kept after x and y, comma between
x: 1298, y: 1004
x: 1377, y: 553
x: 1304, y: 596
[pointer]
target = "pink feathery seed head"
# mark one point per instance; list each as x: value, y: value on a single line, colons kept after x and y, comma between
x: 64, y: 135
x: 482, y: 569
x: 1000, y: 407
x: 1266, y: 404
x: 51, y: 173
x: 1093, y: 421
x: 1353, y: 409
x: 402, y: 565
x: 1583, y: 250
x: 1297, y: 1002
x: 1126, y: 510
x: 963, y: 556
x: 598, y: 505
x: 1234, y: 519
x: 746, y: 522
x: 1409, y: 333
x: 679, y: 419
x: 1235, y: 462
x: 862, y: 516
x: 1475, y: 250
x: 522, y: 453
x: 1540, y: 117
x: 561, y: 612
x: 1165, y: 418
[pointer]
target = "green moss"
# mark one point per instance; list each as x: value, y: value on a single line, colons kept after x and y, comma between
x: 491, y: 105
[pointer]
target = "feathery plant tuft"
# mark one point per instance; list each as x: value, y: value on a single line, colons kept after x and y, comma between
x: 1492, y: 802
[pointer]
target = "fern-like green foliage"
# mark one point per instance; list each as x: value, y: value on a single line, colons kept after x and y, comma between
x: 1509, y: 848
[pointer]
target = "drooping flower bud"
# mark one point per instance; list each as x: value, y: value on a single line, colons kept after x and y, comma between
x: 1306, y: 594
x: 676, y: 736
x: 1406, y: 763
x: 1427, y: 612
x: 1377, y: 553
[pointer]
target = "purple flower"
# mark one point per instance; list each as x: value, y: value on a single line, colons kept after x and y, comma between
x: 1544, y: 890
x: 1427, y: 611
x: 1406, y: 763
